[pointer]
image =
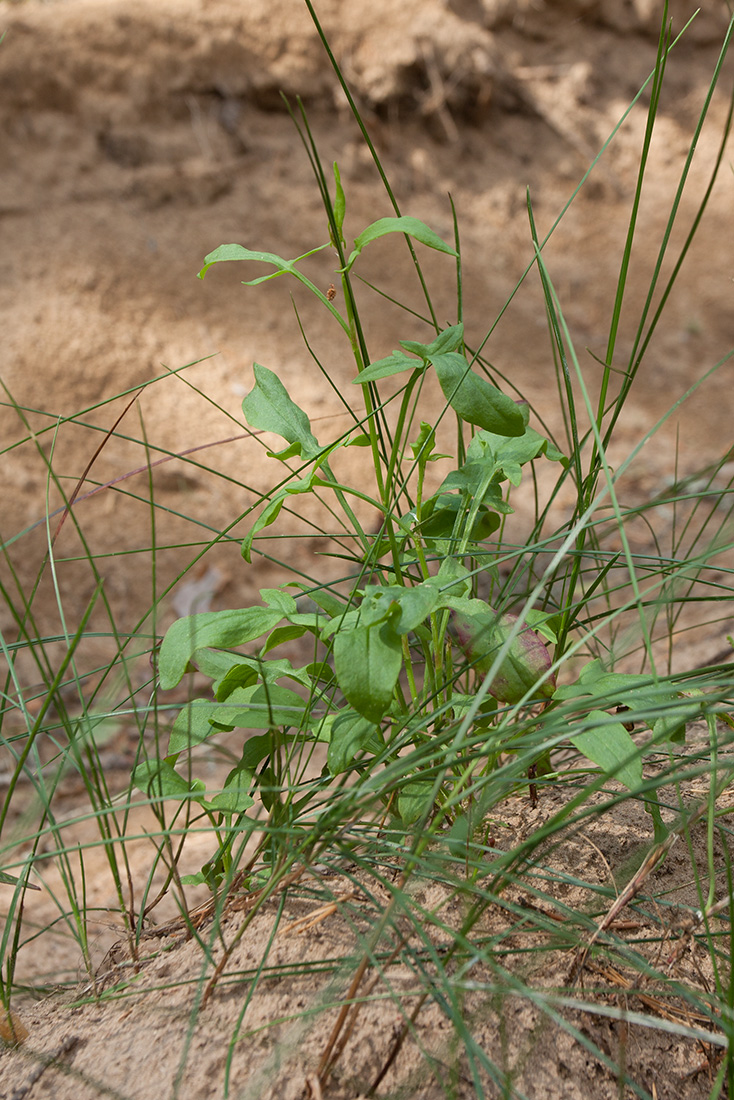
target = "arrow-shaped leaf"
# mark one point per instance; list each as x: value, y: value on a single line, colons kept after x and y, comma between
x: 411, y: 226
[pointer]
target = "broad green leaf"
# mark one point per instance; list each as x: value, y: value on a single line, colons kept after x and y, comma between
x: 658, y: 705
x: 320, y: 672
x: 415, y: 604
x: 255, y: 750
x: 410, y: 226
x: 472, y: 480
x: 462, y: 703
x: 545, y: 623
x: 405, y: 607
x: 158, y: 779
x: 376, y: 606
x: 508, y: 455
x: 394, y: 363
x: 453, y: 578
x: 350, y: 734
x: 467, y: 605
x: 447, y: 340
x: 269, y: 407
x: 210, y: 629
x: 414, y: 800
x: 235, y: 796
x: 343, y: 622
x: 474, y: 399
x: 308, y: 620
x: 441, y: 520
x: 278, y: 599
x: 278, y: 669
x: 608, y: 745
x: 671, y: 725
x: 193, y: 725
x: 251, y: 669
x: 283, y: 634
x: 215, y: 663
x: 227, y: 252
x: 594, y: 680
x: 367, y: 662
x: 262, y: 707
x: 240, y: 675
x: 329, y: 602
x: 199, y: 879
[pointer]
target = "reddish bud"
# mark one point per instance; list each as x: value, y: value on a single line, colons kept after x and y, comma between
x: 483, y: 634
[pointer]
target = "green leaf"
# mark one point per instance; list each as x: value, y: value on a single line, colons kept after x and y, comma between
x: 283, y: 634
x: 262, y: 707
x: 320, y: 672
x: 271, y: 512
x: 255, y: 751
x: 405, y: 607
x: 367, y: 662
x: 688, y: 706
x: 268, y: 407
x: 415, y: 604
x: 395, y: 363
x: 508, y: 455
x: 332, y: 604
x: 608, y: 745
x: 398, y: 361
x: 242, y: 675
x: 545, y: 623
x: 344, y: 621
x: 193, y: 725
x: 472, y: 480
x: 158, y: 779
x: 340, y: 204
x: 227, y: 252
x: 474, y: 399
x: 414, y: 800
x: 453, y: 579
x: 210, y: 629
x: 279, y: 600
x: 216, y: 663
x: 350, y: 734
x: 410, y: 226
x: 657, y: 704
x: 377, y: 605
x: 235, y: 796
x: 441, y: 519
x: 594, y: 680
x: 447, y: 340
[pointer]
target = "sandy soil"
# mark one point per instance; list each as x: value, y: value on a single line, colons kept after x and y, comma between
x: 137, y: 137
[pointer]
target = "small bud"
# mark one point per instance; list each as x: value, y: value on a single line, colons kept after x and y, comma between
x: 482, y: 635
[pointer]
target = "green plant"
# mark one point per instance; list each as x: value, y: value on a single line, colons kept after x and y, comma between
x: 381, y: 706
x: 403, y: 649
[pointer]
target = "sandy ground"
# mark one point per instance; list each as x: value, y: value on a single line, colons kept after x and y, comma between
x: 137, y: 137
